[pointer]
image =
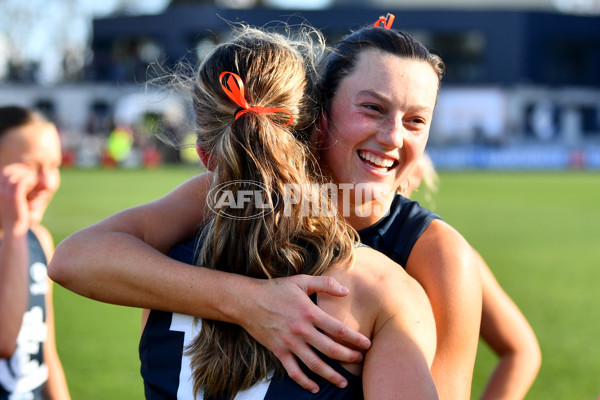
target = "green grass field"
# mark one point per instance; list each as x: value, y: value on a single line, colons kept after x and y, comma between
x: 539, y: 232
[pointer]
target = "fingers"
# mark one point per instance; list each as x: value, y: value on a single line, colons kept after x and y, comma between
x: 321, y: 284
x: 334, y: 343
x: 295, y: 372
x: 16, y: 180
x: 304, y: 336
x: 291, y: 323
x: 313, y: 362
x: 334, y: 328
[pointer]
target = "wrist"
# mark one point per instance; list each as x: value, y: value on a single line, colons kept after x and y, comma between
x: 15, y: 229
x: 14, y: 234
x: 235, y: 297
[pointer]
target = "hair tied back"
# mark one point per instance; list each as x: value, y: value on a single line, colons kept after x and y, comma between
x: 234, y: 89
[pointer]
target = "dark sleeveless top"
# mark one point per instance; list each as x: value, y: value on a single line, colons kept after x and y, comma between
x: 397, y: 232
x: 25, y: 373
x: 165, y: 369
x: 166, y: 372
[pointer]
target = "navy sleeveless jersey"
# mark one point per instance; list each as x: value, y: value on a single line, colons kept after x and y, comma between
x: 24, y: 375
x: 166, y: 370
x: 397, y: 232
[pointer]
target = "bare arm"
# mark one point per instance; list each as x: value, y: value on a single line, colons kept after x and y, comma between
x: 13, y: 290
x: 444, y: 264
x: 121, y: 260
x: 510, y: 336
x: 56, y: 386
x: 397, y: 366
x: 15, y: 181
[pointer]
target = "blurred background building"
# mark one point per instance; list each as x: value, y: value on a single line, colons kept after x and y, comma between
x: 522, y: 88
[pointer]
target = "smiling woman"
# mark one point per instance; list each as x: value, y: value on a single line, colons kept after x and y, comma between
x: 30, y: 156
x: 377, y: 126
x: 391, y: 136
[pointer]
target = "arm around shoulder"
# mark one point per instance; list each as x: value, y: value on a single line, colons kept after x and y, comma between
x: 121, y: 260
x: 120, y: 257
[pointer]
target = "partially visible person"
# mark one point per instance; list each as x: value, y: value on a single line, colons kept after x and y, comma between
x: 506, y: 330
x: 30, y: 156
x: 503, y: 326
x: 423, y: 173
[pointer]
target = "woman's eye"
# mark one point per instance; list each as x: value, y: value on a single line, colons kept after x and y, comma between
x: 417, y: 121
x: 417, y: 124
x: 372, y: 107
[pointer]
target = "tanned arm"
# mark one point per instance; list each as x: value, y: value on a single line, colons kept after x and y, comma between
x: 121, y: 260
x: 506, y: 330
x: 444, y: 264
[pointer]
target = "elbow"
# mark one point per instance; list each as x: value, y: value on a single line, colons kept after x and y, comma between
x: 7, y: 348
x: 59, y: 269
x: 5, y: 353
x: 531, y: 354
x: 527, y: 358
x: 535, y: 357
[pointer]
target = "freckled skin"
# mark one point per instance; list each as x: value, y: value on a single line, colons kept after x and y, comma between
x: 381, y: 111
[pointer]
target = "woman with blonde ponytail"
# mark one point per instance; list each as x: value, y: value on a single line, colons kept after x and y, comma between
x: 255, y: 107
x: 256, y: 148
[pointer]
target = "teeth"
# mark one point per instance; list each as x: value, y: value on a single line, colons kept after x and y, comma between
x: 380, y: 162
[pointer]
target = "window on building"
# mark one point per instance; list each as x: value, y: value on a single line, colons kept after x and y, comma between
x: 463, y: 53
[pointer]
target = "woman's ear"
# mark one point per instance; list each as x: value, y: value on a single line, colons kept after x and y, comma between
x: 322, y: 128
x: 204, y: 157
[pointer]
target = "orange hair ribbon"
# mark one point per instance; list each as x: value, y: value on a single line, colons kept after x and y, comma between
x: 234, y: 88
x: 387, y: 21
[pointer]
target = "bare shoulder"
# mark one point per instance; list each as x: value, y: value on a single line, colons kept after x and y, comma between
x: 441, y: 234
x: 380, y: 284
x: 384, y: 303
x: 441, y: 249
x: 401, y: 302
x: 374, y: 271
x: 197, y: 184
x: 192, y: 190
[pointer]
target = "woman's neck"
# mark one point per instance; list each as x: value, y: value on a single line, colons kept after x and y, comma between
x: 364, y: 214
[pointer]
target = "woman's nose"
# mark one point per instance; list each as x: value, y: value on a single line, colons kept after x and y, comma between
x: 392, y: 134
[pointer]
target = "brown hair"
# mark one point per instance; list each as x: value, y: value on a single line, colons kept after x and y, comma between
x: 257, y: 150
x: 16, y: 116
x: 346, y: 53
